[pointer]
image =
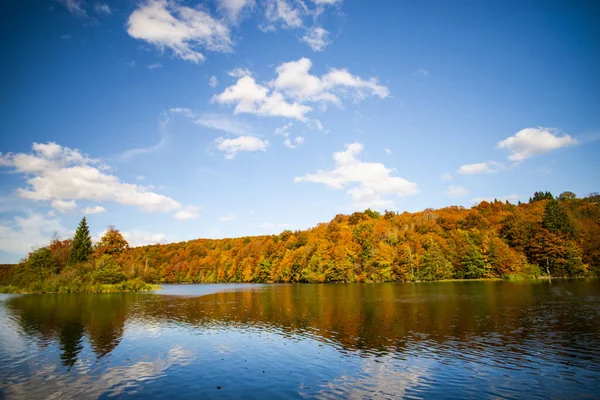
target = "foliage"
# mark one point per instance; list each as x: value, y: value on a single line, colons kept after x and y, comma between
x: 81, y: 247
x: 491, y: 240
x: 111, y: 243
x: 42, y: 262
x: 567, y: 196
x: 556, y: 218
x: 473, y: 263
x: 108, y: 270
x: 539, y: 196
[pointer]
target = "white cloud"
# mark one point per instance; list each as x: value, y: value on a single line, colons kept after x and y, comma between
x: 183, y: 30
x: 239, y: 72
x: 182, y: 110
x: 102, y: 9
x: 142, y: 238
x: 295, y: 81
x: 219, y: 122
x: 253, y: 98
x: 284, y: 11
x: 293, y: 144
x: 233, y: 8
x: 66, y: 37
x: 164, y: 137
x: 421, y: 72
x: 223, y: 123
x: 64, y: 206
x: 24, y: 233
x: 480, y: 168
x: 267, y: 28
x: 228, y: 218
x: 154, y: 66
x: 316, y: 124
x: 243, y: 143
x: 366, y: 182
x: 456, y: 191
x: 140, y: 177
x: 189, y: 212
x: 213, y: 81
x: 446, y: 176
x: 326, y: 2
x: 294, y: 86
x: 532, y: 141
x: 388, y: 152
x: 94, y: 210
x: 59, y: 174
x: 283, y: 130
x: 75, y: 7
x: 317, y: 38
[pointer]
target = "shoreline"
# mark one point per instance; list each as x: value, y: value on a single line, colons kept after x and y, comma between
x: 114, y: 288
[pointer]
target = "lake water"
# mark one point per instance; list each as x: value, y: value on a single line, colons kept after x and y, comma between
x: 425, y: 340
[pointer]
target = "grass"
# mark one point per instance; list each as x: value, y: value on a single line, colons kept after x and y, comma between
x: 76, y: 286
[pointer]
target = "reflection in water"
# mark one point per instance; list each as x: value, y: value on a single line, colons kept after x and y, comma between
x: 351, y: 341
x: 66, y: 318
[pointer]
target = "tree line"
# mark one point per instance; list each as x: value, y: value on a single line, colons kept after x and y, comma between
x: 74, y: 265
x: 556, y: 236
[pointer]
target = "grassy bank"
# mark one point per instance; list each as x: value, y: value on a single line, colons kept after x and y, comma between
x: 133, y: 285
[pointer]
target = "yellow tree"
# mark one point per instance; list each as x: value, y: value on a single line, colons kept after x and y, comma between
x: 111, y: 243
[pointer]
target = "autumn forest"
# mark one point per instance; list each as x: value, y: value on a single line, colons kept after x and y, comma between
x: 552, y: 236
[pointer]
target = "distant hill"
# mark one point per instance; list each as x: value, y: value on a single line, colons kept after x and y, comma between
x: 559, y: 237
x: 491, y: 240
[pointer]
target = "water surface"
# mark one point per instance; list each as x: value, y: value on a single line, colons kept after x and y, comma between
x: 428, y: 340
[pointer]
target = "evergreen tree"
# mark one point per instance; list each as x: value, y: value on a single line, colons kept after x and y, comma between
x: 539, y: 196
x: 556, y: 218
x: 81, y: 248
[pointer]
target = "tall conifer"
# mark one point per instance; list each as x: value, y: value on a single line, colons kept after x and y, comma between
x: 82, y: 244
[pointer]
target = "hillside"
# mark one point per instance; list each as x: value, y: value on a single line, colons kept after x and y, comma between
x: 491, y: 240
x: 560, y: 237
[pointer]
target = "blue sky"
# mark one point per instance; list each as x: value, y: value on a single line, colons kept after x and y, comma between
x: 176, y: 120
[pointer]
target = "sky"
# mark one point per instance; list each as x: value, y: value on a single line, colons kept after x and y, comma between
x: 176, y: 120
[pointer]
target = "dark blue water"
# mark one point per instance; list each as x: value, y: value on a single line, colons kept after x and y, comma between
x: 428, y: 340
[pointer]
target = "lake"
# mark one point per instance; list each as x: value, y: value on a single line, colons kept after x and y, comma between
x: 417, y: 340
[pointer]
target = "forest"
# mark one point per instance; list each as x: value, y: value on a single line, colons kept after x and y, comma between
x: 548, y: 236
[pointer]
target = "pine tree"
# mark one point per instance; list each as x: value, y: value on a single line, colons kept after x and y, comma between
x: 81, y: 248
x: 556, y: 218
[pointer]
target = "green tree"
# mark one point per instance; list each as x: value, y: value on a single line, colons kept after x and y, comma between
x: 42, y: 262
x: 81, y: 248
x: 108, y: 270
x: 372, y: 214
x: 473, y: 263
x: 539, y: 196
x: 567, y: 196
x: 434, y: 265
x: 556, y: 218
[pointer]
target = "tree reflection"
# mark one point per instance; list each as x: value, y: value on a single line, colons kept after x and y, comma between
x: 67, y: 319
x: 379, y: 319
